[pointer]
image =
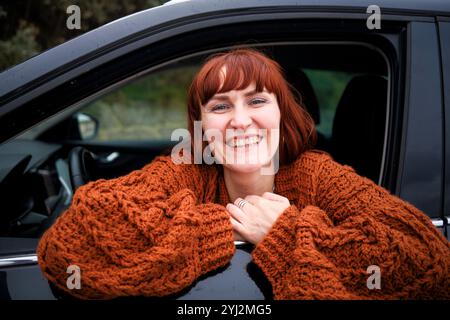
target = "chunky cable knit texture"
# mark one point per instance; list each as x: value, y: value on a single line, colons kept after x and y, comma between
x: 154, y: 231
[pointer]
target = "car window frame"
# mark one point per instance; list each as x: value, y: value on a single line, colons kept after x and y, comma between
x: 67, y: 83
x: 419, y: 171
x: 443, y: 24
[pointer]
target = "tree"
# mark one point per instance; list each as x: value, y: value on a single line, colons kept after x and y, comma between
x: 28, y: 27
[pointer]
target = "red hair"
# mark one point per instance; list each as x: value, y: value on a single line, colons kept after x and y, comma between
x: 244, y: 67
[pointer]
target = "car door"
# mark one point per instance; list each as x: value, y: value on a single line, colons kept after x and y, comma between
x: 422, y: 148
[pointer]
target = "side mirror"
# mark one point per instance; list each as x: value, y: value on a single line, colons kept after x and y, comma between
x: 86, y: 126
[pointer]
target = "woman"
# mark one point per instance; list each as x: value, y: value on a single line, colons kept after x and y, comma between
x: 316, y: 225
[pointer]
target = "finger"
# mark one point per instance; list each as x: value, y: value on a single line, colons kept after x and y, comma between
x: 243, y: 207
x: 274, y: 197
x: 237, y: 236
x: 257, y: 201
x: 235, y: 212
x: 237, y: 227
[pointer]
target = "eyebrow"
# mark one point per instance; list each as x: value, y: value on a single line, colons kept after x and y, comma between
x: 225, y: 97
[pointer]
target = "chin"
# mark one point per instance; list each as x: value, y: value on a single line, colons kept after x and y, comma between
x: 244, y: 168
x: 245, y: 160
x: 249, y: 166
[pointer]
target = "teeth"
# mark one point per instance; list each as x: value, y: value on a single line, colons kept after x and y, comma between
x: 242, y: 142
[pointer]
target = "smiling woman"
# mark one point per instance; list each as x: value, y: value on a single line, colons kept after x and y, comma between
x: 316, y: 225
x: 245, y: 91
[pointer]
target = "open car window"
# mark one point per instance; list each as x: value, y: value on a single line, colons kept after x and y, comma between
x: 348, y: 104
x: 150, y: 108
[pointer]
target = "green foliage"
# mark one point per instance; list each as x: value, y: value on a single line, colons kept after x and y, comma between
x: 28, y: 27
x: 328, y: 86
x: 147, y: 109
x: 20, y: 47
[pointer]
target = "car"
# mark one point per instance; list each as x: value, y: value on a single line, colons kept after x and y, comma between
x: 105, y: 103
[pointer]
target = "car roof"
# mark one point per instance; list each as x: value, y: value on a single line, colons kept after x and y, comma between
x: 108, y: 34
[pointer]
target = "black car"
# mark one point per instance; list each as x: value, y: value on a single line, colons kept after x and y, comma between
x: 106, y: 103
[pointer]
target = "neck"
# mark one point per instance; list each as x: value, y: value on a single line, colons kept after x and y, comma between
x: 243, y: 184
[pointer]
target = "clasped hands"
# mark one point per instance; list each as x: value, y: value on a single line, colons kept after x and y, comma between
x: 254, y: 218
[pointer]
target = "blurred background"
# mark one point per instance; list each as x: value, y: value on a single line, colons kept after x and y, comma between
x: 28, y: 27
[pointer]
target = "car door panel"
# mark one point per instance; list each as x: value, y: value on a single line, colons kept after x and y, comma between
x: 444, y: 34
x: 422, y: 146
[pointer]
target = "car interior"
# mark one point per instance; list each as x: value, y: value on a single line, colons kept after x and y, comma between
x: 41, y: 168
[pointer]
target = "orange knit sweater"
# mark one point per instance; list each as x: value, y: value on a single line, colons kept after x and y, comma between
x: 154, y: 231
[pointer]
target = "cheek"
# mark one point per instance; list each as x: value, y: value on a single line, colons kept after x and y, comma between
x: 276, y: 118
x: 213, y: 125
x: 269, y: 118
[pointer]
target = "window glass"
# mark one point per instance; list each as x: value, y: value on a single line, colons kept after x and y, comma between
x: 328, y: 87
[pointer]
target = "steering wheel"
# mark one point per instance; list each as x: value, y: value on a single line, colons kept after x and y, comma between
x: 82, y: 166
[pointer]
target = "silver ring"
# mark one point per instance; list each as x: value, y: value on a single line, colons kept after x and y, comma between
x: 241, y: 203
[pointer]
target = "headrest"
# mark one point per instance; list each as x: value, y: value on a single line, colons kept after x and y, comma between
x: 359, y: 125
x: 300, y: 82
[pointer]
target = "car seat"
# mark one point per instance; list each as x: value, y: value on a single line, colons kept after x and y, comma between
x: 359, y: 125
x: 305, y: 93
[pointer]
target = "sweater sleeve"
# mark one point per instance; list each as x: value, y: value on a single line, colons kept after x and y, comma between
x: 143, y: 234
x: 354, y: 232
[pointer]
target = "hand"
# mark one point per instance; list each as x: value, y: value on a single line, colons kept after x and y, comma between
x: 237, y: 236
x: 257, y: 216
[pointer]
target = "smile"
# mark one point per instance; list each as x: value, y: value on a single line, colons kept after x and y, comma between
x: 243, y: 142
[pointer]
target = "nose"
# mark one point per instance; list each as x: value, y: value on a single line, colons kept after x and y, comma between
x: 241, y: 118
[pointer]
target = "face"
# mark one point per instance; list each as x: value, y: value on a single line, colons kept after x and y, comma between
x: 242, y: 127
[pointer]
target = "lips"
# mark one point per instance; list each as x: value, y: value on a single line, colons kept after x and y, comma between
x: 239, y: 142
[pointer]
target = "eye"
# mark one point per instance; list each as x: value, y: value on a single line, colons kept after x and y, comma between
x: 257, y: 101
x: 219, y: 107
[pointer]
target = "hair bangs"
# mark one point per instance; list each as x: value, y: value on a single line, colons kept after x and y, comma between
x: 236, y: 72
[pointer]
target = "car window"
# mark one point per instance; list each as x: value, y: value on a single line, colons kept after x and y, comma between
x: 328, y: 86
x: 147, y: 109
x: 150, y: 107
